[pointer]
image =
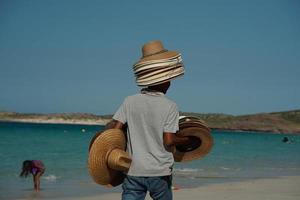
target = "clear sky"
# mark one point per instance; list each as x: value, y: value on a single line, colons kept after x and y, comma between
x: 241, y: 57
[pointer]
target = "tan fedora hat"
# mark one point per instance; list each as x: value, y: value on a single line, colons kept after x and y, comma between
x: 150, y: 73
x: 157, y: 65
x: 107, y: 159
x: 193, y: 122
x: 161, y: 77
x: 202, y: 140
x: 155, y: 50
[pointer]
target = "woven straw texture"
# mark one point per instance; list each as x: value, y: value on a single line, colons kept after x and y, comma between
x: 203, y: 140
x: 102, y: 145
x: 157, y: 65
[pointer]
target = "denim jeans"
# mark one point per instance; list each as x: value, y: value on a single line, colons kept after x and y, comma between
x: 135, y: 188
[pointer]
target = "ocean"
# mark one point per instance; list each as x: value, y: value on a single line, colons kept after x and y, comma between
x: 236, y: 156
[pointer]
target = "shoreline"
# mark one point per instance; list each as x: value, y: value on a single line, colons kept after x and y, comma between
x: 103, y: 122
x: 268, y: 188
x: 67, y: 122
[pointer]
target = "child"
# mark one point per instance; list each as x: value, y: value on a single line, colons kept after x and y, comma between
x: 36, y: 168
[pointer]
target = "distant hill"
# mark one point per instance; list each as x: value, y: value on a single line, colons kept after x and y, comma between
x: 61, y: 118
x: 276, y: 122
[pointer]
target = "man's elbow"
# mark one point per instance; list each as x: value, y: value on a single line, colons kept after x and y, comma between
x: 168, y: 139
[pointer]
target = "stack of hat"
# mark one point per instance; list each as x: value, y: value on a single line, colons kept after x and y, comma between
x: 201, y: 138
x: 157, y: 65
x: 108, y: 159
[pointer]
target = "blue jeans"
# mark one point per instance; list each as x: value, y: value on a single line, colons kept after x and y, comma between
x: 159, y: 187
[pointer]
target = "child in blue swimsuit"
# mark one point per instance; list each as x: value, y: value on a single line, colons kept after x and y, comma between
x: 36, y: 168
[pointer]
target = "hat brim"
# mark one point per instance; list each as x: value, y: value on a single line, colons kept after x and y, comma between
x: 183, y: 119
x: 154, y: 63
x: 102, y: 144
x: 199, y: 148
x: 147, y: 68
x: 193, y: 122
x: 161, y: 77
x: 164, y: 55
x: 153, y: 73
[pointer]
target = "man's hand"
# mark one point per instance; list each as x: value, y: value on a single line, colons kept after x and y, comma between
x: 193, y: 143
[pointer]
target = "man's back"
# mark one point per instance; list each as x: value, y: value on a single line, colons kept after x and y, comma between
x: 148, y: 115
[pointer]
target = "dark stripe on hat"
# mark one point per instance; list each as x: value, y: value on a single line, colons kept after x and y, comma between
x: 162, y: 51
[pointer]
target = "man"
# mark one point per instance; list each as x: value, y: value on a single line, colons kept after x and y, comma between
x: 152, y: 123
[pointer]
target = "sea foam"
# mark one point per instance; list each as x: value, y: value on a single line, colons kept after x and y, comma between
x: 51, y: 177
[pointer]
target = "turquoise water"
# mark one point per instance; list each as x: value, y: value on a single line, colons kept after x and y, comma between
x: 64, y: 149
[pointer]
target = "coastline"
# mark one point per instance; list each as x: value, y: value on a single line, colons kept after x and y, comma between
x: 271, y: 188
x: 287, y: 122
x: 101, y: 122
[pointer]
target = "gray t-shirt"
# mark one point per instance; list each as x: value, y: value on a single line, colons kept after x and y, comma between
x: 148, y: 115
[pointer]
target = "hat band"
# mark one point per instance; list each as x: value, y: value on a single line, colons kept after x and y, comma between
x: 162, y: 51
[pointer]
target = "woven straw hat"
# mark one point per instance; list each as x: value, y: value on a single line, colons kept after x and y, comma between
x: 202, y: 140
x: 162, y: 77
x: 157, y: 65
x: 107, y: 158
x: 155, y: 50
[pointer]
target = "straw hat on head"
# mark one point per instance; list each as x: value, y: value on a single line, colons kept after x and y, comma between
x: 107, y: 158
x: 155, y: 50
x: 202, y: 141
x: 157, y: 65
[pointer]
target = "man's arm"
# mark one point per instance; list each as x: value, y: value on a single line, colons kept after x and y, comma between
x: 171, y: 139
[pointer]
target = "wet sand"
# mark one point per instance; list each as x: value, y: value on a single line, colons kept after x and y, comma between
x: 286, y: 188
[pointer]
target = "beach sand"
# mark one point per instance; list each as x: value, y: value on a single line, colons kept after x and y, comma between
x: 283, y: 188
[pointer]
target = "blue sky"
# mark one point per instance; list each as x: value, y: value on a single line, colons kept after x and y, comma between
x: 241, y: 57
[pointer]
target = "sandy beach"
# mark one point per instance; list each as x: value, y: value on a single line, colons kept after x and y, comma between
x: 283, y: 188
x: 234, y: 169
